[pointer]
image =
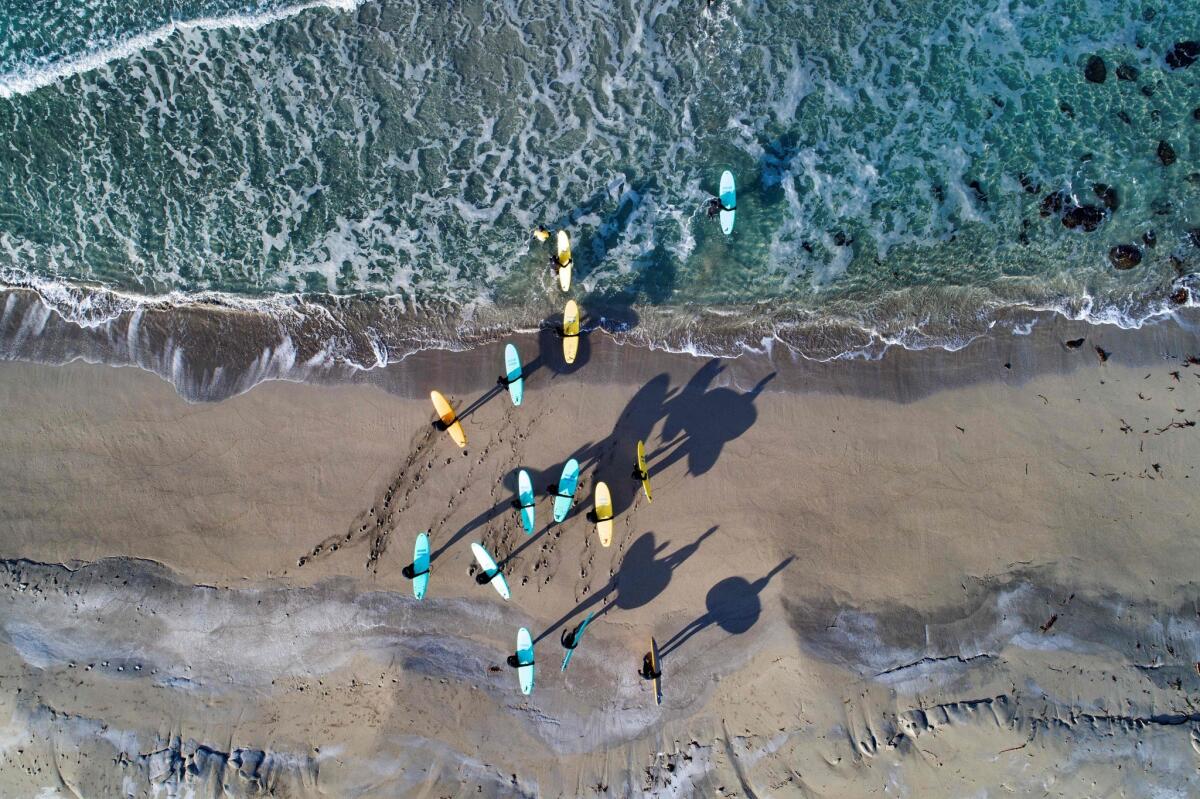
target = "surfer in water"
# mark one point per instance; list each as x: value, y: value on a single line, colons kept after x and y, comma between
x: 715, y: 207
x: 541, y: 234
x: 648, y: 672
x: 558, y: 265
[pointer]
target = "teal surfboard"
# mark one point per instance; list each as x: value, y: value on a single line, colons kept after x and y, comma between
x: 490, y: 570
x: 525, y: 661
x: 512, y: 371
x: 525, y: 495
x: 565, y: 494
x: 578, y: 638
x: 421, y: 566
x: 728, y: 200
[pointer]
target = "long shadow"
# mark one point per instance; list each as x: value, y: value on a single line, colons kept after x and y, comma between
x: 528, y: 542
x: 527, y: 371
x: 700, y: 420
x: 643, y: 575
x: 732, y: 604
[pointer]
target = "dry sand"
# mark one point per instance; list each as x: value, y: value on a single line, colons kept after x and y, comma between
x: 933, y: 575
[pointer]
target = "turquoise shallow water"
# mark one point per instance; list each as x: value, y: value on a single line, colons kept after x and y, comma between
x: 892, y: 160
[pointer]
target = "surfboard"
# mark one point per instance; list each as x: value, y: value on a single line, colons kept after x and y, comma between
x: 512, y: 371
x: 488, y: 565
x: 421, y: 565
x: 729, y: 200
x: 570, y: 331
x: 525, y: 497
x: 525, y: 661
x: 565, y: 495
x: 446, y: 413
x: 641, y: 465
x: 564, y: 258
x: 604, y: 514
x: 656, y: 665
x: 578, y: 638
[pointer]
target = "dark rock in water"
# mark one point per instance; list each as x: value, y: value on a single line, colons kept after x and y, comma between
x: 1194, y: 236
x: 1155, y: 115
x: 1053, y: 202
x: 1194, y: 178
x: 1075, y: 343
x: 1148, y: 91
x: 1181, y: 296
x: 1066, y: 108
x: 1183, y: 54
x: 938, y: 192
x: 1028, y: 184
x: 1107, y: 195
x: 1196, y: 113
x: 1086, y: 157
x: 1148, y: 14
x: 1124, y: 117
x: 842, y: 240
x: 1127, y: 72
x: 1178, y: 265
x: 996, y: 101
x: 807, y: 246
x: 1095, y: 71
x: 980, y: 194
x: 1162, y: 207
x: 1125, y: 256
x: 1149, y: 239
x: 1087, y: 217
x: 1166, y: 153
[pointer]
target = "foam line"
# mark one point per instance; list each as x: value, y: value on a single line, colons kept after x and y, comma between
x: 14, y: 84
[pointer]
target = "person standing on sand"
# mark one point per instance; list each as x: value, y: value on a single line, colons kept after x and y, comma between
x: 647, y: 672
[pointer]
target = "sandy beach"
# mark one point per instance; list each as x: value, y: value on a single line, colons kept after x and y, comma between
x: 938, y: 574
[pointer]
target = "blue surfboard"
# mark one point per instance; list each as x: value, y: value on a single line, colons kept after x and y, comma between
x: 525, y: 661
x: 512, y: 371
x: 525, y: 496
x: 421, y: 566
x: 578, y: 637
x: 728, y: 200
x: 564, y: 495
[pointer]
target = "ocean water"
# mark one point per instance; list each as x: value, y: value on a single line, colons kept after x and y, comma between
x: 366, y: 175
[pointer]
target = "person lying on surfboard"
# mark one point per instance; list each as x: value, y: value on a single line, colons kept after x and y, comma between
x: 648, y: 672
x: 715, y: 206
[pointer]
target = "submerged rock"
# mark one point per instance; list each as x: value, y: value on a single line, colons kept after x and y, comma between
x: 1095, y: 71
x: 1066, y: 108
x: 1054, y: 202
x: 1194, y: 236
x: 1125, y: 256
x: 1127, y: 72
x: 1124, y: 117
x: 1166, y: 153
x: 1028, y: 185
x: 1149, y: 239
x: 1183, y: 54
x: 1196, y: 113
x: 1181, y: 296
x: 1107, y: 195
x: 1086, y: 216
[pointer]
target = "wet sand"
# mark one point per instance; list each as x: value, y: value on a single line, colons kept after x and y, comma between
x: 938, y: 574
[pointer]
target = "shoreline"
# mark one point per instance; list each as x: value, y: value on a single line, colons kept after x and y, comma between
x: 192, y: 346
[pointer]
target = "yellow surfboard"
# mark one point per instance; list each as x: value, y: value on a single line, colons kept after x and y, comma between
x: 641, y: 467
x: 446, y: 413
x: 604, y: 514
x: 570, y: 331
x: 564, y: 259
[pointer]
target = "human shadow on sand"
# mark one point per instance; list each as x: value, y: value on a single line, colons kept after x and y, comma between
x: 732, y: 604
x: 528, y: 369
x: 643, y: 575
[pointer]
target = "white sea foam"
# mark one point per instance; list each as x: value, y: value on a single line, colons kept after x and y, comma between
x: 25, y: 81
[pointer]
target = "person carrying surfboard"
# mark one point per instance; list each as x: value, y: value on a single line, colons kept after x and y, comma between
x: 647, y: 672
